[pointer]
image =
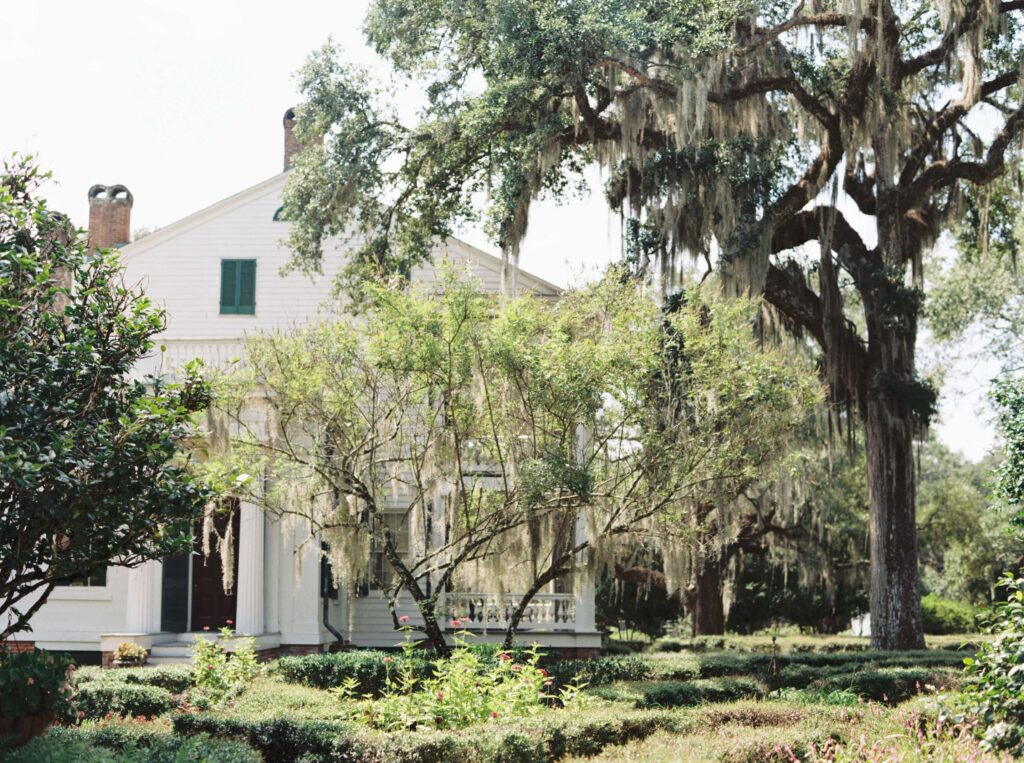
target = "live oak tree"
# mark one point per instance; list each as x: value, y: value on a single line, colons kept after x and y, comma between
x: 92, y: 471
x: 520, y: 442
x: 814, y: 149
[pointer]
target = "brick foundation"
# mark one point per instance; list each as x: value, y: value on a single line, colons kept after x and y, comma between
x: 17, y: 646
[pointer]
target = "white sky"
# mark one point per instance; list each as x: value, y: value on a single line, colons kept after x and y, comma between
x: 182, y: 103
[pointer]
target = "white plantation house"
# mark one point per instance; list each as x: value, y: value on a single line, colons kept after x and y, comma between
x: 216, y: 272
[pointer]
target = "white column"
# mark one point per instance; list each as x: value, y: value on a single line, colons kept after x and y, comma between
x: 249, y: 614
x: 271, y: 578
x: 142, y: 613
x: 585, y: 607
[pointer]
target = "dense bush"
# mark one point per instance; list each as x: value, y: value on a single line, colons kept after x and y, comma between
x: 539, y: 739
x: 218, y: 675
x: 98, y: 698
x: 33, y: 682
x: 944, y: 616
x: 333, y: 669
x: 689, y: 693
x: 995, y: 682
x: 175, y: 678
x: 63, y: 745
x: 370, y: 671
x: 599, y: 671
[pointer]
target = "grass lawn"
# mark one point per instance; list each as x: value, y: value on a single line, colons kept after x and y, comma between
x: 726, y: 703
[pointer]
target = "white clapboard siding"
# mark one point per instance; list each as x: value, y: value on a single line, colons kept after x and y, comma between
x: 371, y: 624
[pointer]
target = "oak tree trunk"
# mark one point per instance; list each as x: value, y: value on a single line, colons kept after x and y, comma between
x: 705, y: 597
x: 895, y: 596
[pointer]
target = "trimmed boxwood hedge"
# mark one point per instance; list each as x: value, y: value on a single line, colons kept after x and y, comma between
x: 330, y: 670
x: 99, y: 698
x: 175, y: 678
x: 74, y: 745
x: 527, y: 741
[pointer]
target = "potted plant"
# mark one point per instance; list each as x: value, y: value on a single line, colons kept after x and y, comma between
x: 35, y: 688
x: 129, y: 655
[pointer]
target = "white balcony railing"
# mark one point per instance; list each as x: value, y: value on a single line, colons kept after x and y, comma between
x: 545, y: 612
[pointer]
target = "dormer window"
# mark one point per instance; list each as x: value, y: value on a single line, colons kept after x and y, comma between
x: 238, y: 287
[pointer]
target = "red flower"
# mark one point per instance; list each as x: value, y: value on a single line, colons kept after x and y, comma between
x: 517, y: 667
x: 29, y: 681
x: 388, y: 659
x: 504, y: 657
x: 230, y: 622
x: 440, y: 695
x: 543, y: 672
x: 494, y: 713
x: 456, y: 623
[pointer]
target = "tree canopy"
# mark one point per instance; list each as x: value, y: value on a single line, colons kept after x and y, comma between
x: 518, y: 441
x: 92, y: 464
x: 753, y: 133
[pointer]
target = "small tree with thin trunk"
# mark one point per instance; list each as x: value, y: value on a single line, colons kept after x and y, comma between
x: 519, y: 442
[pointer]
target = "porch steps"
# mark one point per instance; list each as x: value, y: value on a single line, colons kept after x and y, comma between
x: 171, y: 653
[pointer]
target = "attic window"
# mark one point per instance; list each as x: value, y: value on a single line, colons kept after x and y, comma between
x: 238, y: 287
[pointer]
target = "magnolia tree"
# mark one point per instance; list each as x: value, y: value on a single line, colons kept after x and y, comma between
x: 92, y: 471
x: 520, y: 442
x: 816, y: 149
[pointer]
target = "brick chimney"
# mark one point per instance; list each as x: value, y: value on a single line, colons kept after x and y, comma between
x: 110, y: 214
x: 291, y: 142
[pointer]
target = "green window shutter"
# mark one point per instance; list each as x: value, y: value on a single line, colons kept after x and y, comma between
x: 247, y: 286
x: 228, y: 286
x: 238, y: 287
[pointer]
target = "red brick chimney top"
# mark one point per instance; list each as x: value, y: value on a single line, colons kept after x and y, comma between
x: 110, y: 213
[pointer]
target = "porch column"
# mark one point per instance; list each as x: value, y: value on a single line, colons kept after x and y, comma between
x: 585, y: 608
x: 142, y: 613
x: 249, y: 614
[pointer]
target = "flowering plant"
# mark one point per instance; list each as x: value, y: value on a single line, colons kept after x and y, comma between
x: 130, y: 653
x: 35, y: 682
x: 219, y: 675
x: 465, y: 688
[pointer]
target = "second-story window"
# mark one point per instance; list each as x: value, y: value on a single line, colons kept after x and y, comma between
x: 238, y: 287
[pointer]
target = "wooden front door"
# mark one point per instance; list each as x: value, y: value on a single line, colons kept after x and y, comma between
x: 212, y: 606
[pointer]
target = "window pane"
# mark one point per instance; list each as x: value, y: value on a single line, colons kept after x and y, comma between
x: 228, y: 285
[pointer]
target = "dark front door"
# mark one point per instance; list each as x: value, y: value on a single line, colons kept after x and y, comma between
x: 212, y: 606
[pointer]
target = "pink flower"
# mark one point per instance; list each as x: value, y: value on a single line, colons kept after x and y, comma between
x: 456, y: 623
x: 29, y: 681
x: 543, y: 672
x: 504, y: 657
x: 494, y: 713
x: 230, y: 622
x: 388, y: 659
x: 517, y: 668
x: 440, y: 695
x: 403, y: 619
x: 206, y: 627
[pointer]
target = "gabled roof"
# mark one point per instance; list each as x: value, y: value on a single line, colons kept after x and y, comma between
x: 274, y: 185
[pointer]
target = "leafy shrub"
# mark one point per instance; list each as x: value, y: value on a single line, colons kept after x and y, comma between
x: 219, y: 675
x: 944, y: 616
x: 334, y: 669
x: 465, y: 688
x: 599, y: 671
x: 884, y: 684
x: 64, y: 745
x: 175, y: 678
x: 34, y: 682
x: 98, y: 698
x: 535, y: 739
x: 995, y: 681
x: 689, y: 693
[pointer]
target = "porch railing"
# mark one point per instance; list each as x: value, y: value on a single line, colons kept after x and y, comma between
x: 545, y: 612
